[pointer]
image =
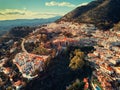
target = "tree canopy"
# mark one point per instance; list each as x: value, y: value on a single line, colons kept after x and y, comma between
x: 77, y: 60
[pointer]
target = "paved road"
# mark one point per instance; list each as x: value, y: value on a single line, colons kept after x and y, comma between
x: 22, y: 45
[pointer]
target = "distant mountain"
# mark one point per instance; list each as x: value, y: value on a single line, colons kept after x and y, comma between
x: 103, y: 13
x: 8, y: 24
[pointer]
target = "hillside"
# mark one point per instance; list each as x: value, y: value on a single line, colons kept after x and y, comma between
x: 103, y: 13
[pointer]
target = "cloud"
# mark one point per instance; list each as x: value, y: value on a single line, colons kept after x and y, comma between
x: 10, y: 14
x: 54, y: 14
x: 83, y: 4
x: 61, y: 4
x: 15, y: 13
x: 64, y: 4
x: 1, y: 14
x: 24, y: 12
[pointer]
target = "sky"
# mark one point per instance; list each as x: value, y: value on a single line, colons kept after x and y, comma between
x: 34, y: 9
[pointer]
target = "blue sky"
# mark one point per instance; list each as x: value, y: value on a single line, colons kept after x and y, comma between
x: 29, y: 9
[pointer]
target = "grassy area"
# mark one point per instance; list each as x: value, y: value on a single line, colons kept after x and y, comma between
x: 41, y: 51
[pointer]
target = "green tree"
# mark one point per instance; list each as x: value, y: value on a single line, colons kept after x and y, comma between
x: 77, y: 62
x: 9, y: 88
x: 117, y: 27
x: 77, y: 85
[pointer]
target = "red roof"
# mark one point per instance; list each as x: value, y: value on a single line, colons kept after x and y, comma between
x: 85, y: 80
x: 86, y: 86
x: 109, y: 68
x: 39, y: 58
x: 65, y: 38
x: 18, y: 83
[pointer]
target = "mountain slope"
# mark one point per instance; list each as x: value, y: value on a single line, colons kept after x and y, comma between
x: 103, y: 13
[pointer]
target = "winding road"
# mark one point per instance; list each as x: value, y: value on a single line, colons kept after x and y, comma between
x: 22, y: 46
